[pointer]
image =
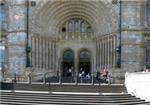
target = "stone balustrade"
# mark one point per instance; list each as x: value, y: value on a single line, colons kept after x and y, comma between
x: 138, y: 84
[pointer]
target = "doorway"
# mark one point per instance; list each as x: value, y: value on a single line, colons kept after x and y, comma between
x: 84, y: 67
x: 68, y: 63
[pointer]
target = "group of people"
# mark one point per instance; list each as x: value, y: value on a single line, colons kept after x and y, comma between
x: 103, y: 76
x: 84, y: 76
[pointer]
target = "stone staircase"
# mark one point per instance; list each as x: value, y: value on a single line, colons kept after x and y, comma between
x: 24, y: 98
x: 68, y: 94
x: 102, y: 88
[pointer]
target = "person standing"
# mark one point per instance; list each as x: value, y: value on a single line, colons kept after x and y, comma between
x: 104, y: 75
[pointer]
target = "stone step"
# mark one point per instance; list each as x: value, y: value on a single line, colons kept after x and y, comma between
x: 69, y: 99
x: 65, y: 88
x: 72, y: 94
x: 73, y: 99
x: 135, y: 103
x: 55, y: 103
x: 71, y: 102
x: 62, y: 97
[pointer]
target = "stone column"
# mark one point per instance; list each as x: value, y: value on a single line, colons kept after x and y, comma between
x: 46, y: 54
x: 105, y: 52
x: 92, y: 70
x: 57, y: 58
x: 55, y: 64
x: 108, y: 52
x: 102, y: 54
x: 17, y: 36
x: 76, y: 62
x: 33, y: 51
x: 100, y: 57
x: 40, y: 53
x: 37, y: 52
x: 111, y: 52
x: 32, y: 54
x: 49, y: 54
x: 114, y: 51
x: 60, y: 72
x: 53, y: 56
x: 133, y: 48
x: 97, y: 54
x: 43, y: 54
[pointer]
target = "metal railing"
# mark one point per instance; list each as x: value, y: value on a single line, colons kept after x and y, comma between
x: 58, y: 78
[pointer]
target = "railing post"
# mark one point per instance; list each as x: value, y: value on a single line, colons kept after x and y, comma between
x: 92, y: 75
x: 15, y: 78
x: 49, y: 87
x: 29, y: 78
x: 109, y: 78
x: 44, y: 78
x: 76, y: 77
x: 60, y: 78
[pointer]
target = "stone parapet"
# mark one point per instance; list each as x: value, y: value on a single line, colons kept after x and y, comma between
x: 138, y: 84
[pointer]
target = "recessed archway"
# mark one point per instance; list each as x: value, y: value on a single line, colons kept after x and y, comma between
x: 85, y: 62
x: 50, y: 15
x: 67, y: 63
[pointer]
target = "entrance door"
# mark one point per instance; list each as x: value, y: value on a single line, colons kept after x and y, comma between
x: 84, y: 66
x: 68, y: 66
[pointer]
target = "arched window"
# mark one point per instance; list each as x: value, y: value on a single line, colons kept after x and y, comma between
x: 148, y: 12
x: 76, y: 25
x: 83, y: 27
x: 68, y: 55
x: 84, y: 55
x: 70, y: 27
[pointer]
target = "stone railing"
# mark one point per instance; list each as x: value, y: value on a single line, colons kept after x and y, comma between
x: 138, y: 84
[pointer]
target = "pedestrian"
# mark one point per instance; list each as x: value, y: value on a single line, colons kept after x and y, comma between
x: 104, y: 75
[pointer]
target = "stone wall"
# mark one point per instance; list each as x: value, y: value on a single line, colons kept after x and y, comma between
x: 17, y: 36
x: 133, y: 46
x: 133, y: 18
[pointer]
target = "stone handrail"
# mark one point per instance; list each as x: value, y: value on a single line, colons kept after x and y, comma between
x: 138, y: 84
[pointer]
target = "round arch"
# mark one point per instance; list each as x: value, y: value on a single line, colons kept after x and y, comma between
x: 84, y: 56
x: 67, y: 62
x: 51, y: 14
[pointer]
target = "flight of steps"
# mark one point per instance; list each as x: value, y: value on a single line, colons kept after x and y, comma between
x: 103, y: 88
x: 24, y: 98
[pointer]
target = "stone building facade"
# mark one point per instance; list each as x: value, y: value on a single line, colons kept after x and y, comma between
x: 51, y: 35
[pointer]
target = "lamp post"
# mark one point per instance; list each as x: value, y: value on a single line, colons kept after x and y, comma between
x: 118, y: 48
x: 27, y: 38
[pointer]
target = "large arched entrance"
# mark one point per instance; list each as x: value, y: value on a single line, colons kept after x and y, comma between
x: 68, y: 63
x: 81, y: 23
